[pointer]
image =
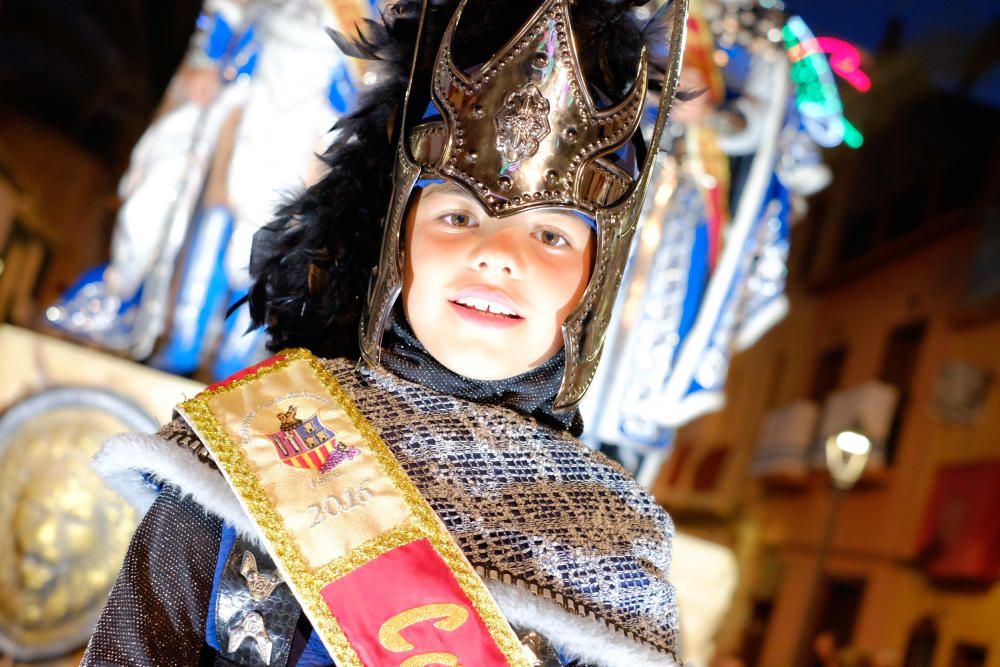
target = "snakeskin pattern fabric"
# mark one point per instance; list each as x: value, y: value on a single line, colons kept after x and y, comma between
x: 529, y: 504
x: 162, y: 590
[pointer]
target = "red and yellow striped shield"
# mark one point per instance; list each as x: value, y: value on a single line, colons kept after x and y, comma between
x: 304, y: 444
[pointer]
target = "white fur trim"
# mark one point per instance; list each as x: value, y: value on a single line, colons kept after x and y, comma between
x: 576, y: 637
x: 125, y: 459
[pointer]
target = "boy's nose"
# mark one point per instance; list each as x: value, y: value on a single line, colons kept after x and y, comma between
x: 487, y: 266
x: 498, y: 253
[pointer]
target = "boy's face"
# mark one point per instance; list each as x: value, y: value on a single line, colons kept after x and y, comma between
x: 486, y: 296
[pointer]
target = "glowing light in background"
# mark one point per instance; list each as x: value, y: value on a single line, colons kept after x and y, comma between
x: 816, y: 95
x: 845, y: 60
x: 853, y: 442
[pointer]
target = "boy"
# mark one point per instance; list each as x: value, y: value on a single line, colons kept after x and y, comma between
x: 429, y: 505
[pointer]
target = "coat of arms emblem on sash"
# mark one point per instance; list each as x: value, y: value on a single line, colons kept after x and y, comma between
x: 308, y: 443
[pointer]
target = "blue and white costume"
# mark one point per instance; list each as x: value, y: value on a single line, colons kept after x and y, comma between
x: 176, y: 265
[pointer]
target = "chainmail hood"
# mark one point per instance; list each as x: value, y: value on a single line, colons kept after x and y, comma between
x: 531, y: 393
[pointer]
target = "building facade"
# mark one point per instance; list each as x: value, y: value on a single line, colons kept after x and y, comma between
x: 894, y: 330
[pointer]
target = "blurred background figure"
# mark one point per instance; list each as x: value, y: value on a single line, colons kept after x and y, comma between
x: 244, y: 110
x: 240, y: 126
x: 708, y: 277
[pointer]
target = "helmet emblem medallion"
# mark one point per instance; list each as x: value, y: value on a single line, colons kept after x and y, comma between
x: 522, y: 123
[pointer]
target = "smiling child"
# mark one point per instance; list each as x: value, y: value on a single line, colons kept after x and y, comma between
x: 485, y: 296
x: 428, y: 504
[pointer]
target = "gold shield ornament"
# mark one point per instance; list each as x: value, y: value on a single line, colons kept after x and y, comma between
x: 63, y: 533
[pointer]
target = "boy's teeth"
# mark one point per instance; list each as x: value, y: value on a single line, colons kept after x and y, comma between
x: 485, y: 306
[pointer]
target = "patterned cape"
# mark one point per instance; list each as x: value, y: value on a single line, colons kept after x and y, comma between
x: 569, y: 545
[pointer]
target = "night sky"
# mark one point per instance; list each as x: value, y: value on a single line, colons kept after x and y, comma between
x: 863, y: 22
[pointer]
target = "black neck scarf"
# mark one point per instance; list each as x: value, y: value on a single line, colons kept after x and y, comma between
x: 530, y: 393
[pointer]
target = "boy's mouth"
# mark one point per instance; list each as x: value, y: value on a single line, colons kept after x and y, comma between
x: 486, y: 305
x: 486, y: 308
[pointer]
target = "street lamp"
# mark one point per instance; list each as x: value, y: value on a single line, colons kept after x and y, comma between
x: 847, y: 454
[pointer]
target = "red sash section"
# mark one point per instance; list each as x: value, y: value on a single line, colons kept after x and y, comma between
x: 405, y: 608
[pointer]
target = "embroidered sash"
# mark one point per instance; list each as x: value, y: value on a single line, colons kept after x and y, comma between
x: 375, y: 570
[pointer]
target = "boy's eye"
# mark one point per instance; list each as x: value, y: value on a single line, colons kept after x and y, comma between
x: 459, y: 220
x: 551, y: 238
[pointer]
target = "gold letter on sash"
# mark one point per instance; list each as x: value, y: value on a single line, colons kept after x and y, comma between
x: 431, y: 659
x: 451, y: 617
